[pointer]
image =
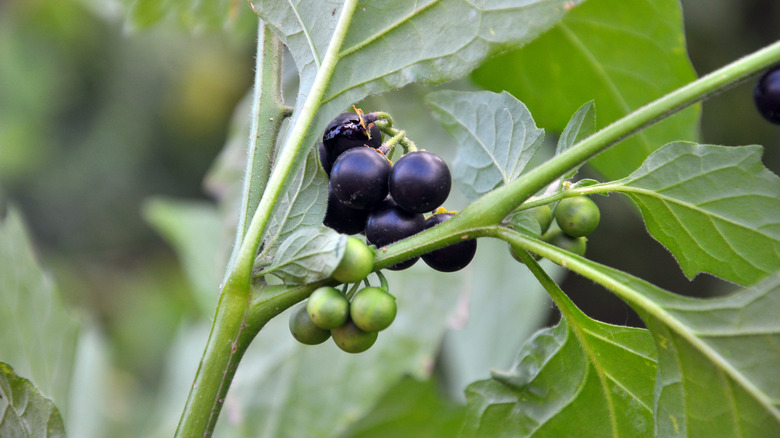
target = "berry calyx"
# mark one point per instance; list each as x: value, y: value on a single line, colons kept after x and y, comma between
x: 766, y: 95
x: 359, y: 178
x: 327, y: 307
x: 352, y: 339
x: 450, y: 258
x: 372, y: 309
x: 303, y: 328
x: 420, y: 181
x: 577, y: 216
x: 356, y: 264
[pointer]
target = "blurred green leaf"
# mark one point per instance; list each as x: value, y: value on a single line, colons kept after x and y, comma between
x: 411, y: 409
x: 582, y: 378
x: 37, y: 335
x: 496, y: 137
x: 191, y: 14
x: 90, y: 395
x: 25, y: 412
x: 309, y: 254
x: 579, y: 61
x: 716, y: 208
x: 192, y: 228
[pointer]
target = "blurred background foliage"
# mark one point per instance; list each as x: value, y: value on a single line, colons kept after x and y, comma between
x: 106, y: 104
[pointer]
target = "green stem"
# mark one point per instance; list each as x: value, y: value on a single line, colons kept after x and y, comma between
x: 291, y: 152
x: 226, y: 343
x: 491, y: 208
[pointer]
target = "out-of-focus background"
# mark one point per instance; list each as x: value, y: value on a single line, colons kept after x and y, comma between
x: 97, y: 115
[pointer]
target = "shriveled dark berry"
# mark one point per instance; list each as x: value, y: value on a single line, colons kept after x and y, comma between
x: 345, y: 132
x: 450, y: 258
x: 359, y: 178
x: 420, y: 181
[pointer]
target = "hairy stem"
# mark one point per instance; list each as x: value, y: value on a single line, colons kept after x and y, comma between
x: 226, y: 343
x: 493, y: 207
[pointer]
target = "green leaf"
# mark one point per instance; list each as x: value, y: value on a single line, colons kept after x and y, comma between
x: 716, y: 208
x: 579, y: 61
x: 580, y: 126
x: 391, y: 44
x: 37, y: 335
x: 495, y: 133
x: 522, y: 221
x: 193, y: 229
x: 302, y: 204
x: 581, y: 375
x: 411, y: 409
x: 24, y: 411
x: 308, y: 255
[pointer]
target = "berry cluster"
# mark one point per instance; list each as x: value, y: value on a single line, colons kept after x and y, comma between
x: 575, y: 217
x: 385, y: 201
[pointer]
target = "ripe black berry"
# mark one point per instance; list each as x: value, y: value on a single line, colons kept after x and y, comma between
x: 451, y: 258
x: 346, y: 132
x: 389, y: 223
x: 359, y: 177
x: 767, y: 95
x: 420, y: 181
x: 344, y: 219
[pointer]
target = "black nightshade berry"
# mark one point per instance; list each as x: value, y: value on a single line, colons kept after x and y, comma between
x: 420, y: 181
x: 450, y: 258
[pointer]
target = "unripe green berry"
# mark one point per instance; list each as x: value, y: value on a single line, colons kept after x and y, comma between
x: 543, y: 215
x: 576, y: 245
x: 303, y: 329
x: 372, y: 309
x: 352, y: 339
x: 577, y: 216
x: 357, y: 263
x: 327, y: 307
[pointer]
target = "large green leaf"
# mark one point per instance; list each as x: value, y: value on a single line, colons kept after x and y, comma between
x: 579, y: 61
x: 716, y: 208
x: 495, y: 133
x: 391, y: 44
x: 37, y: 335
x: 580, y: 378
x: 24, y: 412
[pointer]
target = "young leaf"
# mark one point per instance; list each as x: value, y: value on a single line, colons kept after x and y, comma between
x: 495, y: 133
x: 716, y: 208
x: 37, y: 335
x: 583, y: 377
x: 24, y: 411
x: 308, y: 255
x: 302, y: 204
x: 579, y: 60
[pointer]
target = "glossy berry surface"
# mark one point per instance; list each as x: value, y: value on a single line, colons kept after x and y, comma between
x: 450, y: 258
x: 345, y: 132
x: 389, y: 223
x: 345, y: 220
x: 766, y: 95
x: 324, y: 159
x: 357, y: 262
x: 420, y: 181
x: 577, y: 216
x: 303, y: 329
x: 327, y: 307
x: 352, y: 339
x: 359, y: 178
x: 372, y: 309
